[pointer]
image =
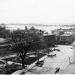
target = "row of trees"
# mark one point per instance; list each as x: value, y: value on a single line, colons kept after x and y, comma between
x: 4, y: 33
x: 28, y: 40
x: 24, y: 41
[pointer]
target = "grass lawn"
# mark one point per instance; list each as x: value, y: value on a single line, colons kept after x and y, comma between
x: 28, y: 60
x: 9, y: 59
x: 9, y: 69
x: 14, y: 67
x: 5, y: 52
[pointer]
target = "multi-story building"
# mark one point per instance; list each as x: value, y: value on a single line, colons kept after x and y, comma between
x: 50, y: 39
x: 64, y: 35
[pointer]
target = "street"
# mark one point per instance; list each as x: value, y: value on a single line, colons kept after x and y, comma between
x: 62, y: 60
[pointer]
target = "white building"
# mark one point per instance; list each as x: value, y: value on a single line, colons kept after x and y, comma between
x: 73, y: 45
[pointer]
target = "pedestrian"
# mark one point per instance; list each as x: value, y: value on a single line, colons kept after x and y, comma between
x: 57, y: 70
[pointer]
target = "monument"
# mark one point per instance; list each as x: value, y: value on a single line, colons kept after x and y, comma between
x: 73, y: 45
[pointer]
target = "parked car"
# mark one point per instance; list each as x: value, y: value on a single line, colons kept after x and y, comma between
x: 51, y: 55
x: 57, y: 50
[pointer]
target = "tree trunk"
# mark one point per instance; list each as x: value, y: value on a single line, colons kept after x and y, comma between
x: 38, y: 55
x: 23, y: 63
x: 48, y: 50
x: 35, y: 54
x: 23, y: 56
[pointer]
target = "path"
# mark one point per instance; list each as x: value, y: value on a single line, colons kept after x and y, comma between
x: 69, y: 70
x: 9, y: 56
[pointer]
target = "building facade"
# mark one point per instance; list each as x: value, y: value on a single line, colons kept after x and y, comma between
x: 64, y: 35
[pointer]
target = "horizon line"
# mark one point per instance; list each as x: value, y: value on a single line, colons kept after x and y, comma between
x: 36, y: 24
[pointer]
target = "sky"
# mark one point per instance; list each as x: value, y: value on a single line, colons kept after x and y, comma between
x: 37, y: 11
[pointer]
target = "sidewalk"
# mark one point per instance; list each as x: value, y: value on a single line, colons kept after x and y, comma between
x: 69, y: 70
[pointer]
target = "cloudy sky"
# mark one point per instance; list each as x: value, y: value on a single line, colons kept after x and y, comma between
x: 37, y: 11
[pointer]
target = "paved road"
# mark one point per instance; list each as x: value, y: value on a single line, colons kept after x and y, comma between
x: 61, y: 60
x: 69, y: 70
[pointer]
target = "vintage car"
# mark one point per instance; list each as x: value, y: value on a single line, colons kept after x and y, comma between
x: 57, y: 50
x: 51, y: 55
